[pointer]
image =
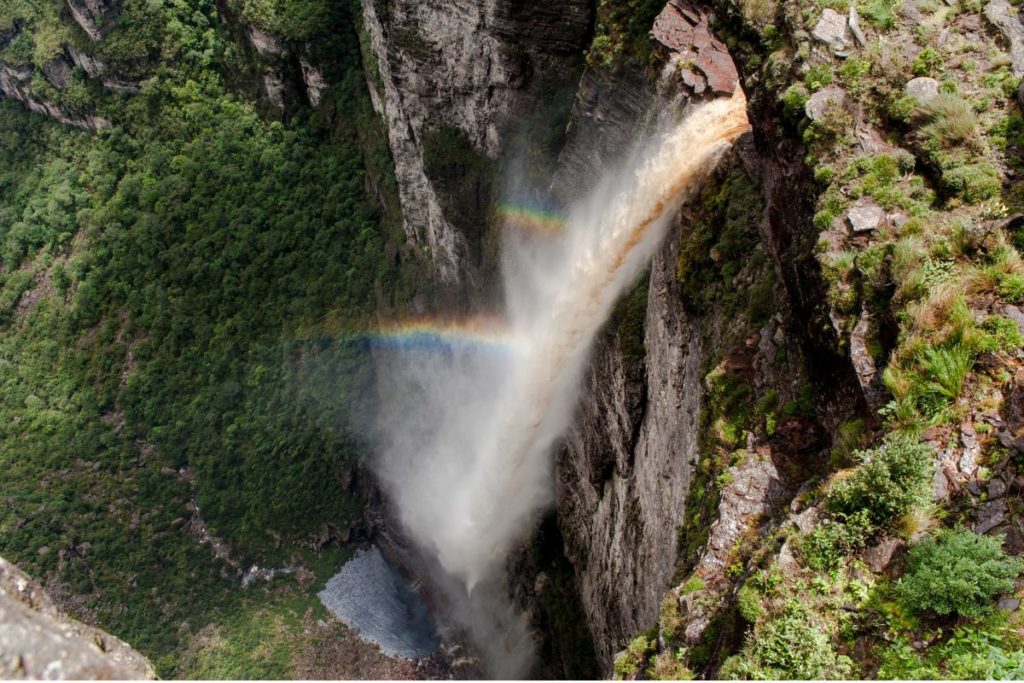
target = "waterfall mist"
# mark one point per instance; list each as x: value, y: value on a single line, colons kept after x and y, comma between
x: 468, y: 426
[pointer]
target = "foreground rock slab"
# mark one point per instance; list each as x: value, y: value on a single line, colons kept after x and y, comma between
x: 38, y: 641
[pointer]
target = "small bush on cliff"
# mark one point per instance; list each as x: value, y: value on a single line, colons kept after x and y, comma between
x: 957, y: 572
x: 825, y: 547
x: 891, y: 481
x: 791, y: 646
x: 629, y: 661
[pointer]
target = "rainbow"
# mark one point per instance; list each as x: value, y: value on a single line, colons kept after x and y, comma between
x: 530, y: 218
x: 477, y: 333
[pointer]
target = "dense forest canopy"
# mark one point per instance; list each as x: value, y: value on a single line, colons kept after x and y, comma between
x: 181, y: 290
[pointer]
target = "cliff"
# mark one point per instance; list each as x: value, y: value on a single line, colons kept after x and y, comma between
x: 817, y: 381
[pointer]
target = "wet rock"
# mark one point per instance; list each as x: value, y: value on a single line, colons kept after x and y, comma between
x: 369, y: 594
x: 883, y: 555
x: 823, y: 101
x: 38, y: 641
x: 989, y: 516
x: 832, y: 30
x: 921, y: 88
x: 865, y: 216
x: 1004, y: 17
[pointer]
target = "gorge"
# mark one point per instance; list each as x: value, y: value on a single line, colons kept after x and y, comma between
x: 646, y: 338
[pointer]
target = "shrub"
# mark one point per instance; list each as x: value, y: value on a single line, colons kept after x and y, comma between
x: 972, y: 183
x: 793, y: 100
x: 791, y: 646
x: 832, y: 540
x: 891, y: 481
x: 926, y: 62
x: 946, y: 120
x: 748, y: 603
x: 818, y: 76
x: 957, y: 572
x: 629, y: 662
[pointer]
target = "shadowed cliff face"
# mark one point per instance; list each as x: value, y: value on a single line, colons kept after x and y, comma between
x: 455, y: 80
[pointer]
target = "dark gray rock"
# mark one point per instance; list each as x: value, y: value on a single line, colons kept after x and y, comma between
x: 883, y: 555
x: 1009, y: 604
x: 989, y: 516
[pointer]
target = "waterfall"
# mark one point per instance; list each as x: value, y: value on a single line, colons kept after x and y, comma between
x: 471, y: 412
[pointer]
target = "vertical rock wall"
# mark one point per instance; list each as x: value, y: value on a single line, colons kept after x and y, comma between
x: 476, y: 66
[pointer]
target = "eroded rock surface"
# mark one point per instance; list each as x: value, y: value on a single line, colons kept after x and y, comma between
x: 38, y: 641
x: 477, y: 67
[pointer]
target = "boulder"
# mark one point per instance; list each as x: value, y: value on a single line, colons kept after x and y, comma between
x: 865, y: 216
x: 922, y: 88
x: 57, y: 72
x: 1004, y: 17
x: 853, y: 21
x: 1017, y: 316
x: 823, y: 101
x: 832, y: 29
x: 683, y: 33
x: 989, y: 516
x: 883, y: 555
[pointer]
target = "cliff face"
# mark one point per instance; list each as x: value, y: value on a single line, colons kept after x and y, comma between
x: 456, y: 79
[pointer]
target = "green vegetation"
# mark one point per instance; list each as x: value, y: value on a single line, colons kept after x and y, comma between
x: 622, y: 30
x: 957, y: 572
x: 293, y: 19
x: 893, y: 478
x: 792, y: 645
x: 632, y: 659
x: 185, y: 290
